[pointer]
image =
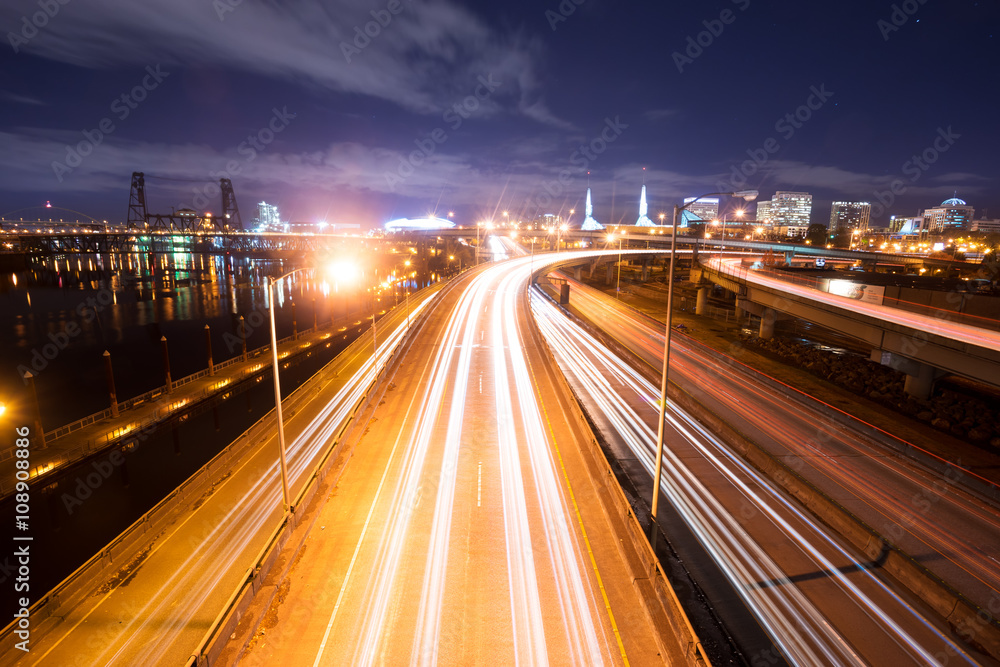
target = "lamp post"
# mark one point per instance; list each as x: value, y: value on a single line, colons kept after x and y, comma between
x: 277, y: 391
x: 618, y: 281
x: 406, y: 286
x: 748, y: 195
x: 271, y: 294
x: 478, y: 226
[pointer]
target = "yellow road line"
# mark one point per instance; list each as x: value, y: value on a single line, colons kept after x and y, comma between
x: 579, y: 519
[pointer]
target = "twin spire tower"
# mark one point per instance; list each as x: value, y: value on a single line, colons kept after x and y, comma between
x: 590, y: 224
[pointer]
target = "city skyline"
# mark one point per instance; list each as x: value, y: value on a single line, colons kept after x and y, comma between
x: 476, y: 109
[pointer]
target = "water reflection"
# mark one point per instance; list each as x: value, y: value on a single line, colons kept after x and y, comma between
x: 124, y: 303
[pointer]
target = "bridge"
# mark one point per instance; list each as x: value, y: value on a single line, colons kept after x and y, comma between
x: 924, y: 347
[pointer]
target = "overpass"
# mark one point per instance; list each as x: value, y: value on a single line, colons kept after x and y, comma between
x: 923, y: 347
x: 659, y: 238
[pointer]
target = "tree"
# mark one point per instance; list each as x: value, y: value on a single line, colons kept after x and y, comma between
x: 816, y: 234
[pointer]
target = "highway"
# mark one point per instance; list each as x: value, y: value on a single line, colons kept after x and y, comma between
x: 466, y: 528
x: 158, y: 611
x: 753, y: 532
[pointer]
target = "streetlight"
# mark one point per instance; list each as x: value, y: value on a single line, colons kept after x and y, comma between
x: 478, y: 226
x: 341, y: 269
x: 618, y: 281
x: 277, y: 386
x: 748, y: 195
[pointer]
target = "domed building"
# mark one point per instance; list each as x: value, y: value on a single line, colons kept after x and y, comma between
x: 952, y: 214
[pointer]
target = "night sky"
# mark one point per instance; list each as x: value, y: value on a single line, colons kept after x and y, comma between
x: 367, y: 128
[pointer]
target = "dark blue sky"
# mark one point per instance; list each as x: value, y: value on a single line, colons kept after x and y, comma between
x: 378, y: 137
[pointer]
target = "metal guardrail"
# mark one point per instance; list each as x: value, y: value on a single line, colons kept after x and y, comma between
x: 78, y: 584
x: 224, y: 624
x: 93, y: 445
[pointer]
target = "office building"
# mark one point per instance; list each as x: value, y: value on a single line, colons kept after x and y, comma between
x: 787, y: 213
x: 268, y: 219
x: 706, y: 208
x: 952, y: 214
x: 985, y: 226
x: 764, y: 211
x: 849, y: 215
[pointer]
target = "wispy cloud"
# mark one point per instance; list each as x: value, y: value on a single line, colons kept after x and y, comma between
x: 431, y: 51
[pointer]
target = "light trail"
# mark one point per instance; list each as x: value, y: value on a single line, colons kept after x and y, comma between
x: 742, y: 560
x: 893, y: 494
x: 551, y: 603
x: 155, y: 623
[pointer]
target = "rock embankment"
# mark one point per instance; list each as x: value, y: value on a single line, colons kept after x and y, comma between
x: 966, y: 417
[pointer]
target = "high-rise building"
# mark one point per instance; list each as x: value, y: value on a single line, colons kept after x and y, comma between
x: 268, y: 218
x: 764, y: 211
x: 952, y: 214
x: 788, y: 212
x: 849, y: 215
x: 706, y: 208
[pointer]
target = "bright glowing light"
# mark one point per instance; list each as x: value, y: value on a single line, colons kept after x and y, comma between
x: 418, y: 223
x: 3, y: 409
x: 343, y: 271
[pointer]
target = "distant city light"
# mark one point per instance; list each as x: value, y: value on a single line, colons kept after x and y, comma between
x: 418, y: 223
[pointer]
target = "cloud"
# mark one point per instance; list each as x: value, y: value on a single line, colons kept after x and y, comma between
x: 421, y: 59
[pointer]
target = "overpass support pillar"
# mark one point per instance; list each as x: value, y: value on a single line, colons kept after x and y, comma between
x: 920, y: 377
x: 578, y: 273
x: 645, y: 270
x: 699, y: 306
x: 767, y: 320
x: 920, y: 385
x: 609, y: 275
